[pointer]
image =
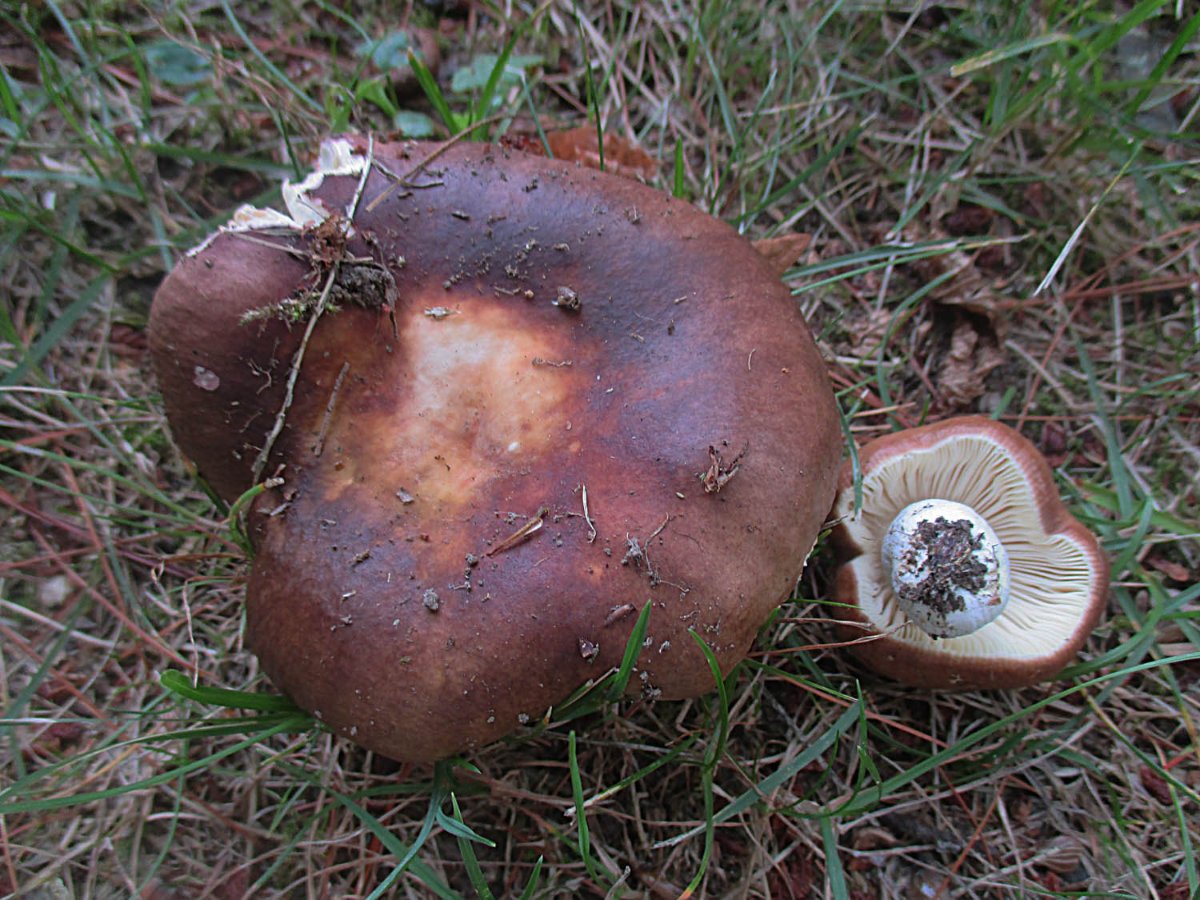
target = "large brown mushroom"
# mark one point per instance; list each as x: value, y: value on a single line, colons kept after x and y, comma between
x: 511, y: 402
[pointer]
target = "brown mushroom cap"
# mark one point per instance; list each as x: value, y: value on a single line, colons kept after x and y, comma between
x: 1059, y: 573
x: 448, y: 402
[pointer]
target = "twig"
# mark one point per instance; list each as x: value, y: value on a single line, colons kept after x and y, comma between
x: 521, y: 534
x: 352, y: 209
x: 657, y: 531
x: 639, y: 555
x: 256, y: 237
x: 405, y: 179
x: 720, y: 473
x: 319, y: 444
x: 587, y: 516
x: 260, y: 461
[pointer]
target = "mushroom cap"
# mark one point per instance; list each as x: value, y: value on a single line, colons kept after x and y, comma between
x: 1059, y: 574
x: 671, y: 428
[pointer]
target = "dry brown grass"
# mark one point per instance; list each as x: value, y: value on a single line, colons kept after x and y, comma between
x: 851, y: 128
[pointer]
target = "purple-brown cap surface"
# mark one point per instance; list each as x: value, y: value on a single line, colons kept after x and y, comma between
x: 1059, y: 574
x: 535, y: 399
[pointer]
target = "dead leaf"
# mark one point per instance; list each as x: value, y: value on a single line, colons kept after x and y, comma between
x: 621, y: 156
x: 1154, y: 784
x: 128, y: 342
x: 55, y: 740
x: 968, y: 287
x: 968, y: 218
x: 1176, y: 890
x: 873, y: 838
x: 17, y: 58
x: 865, y: 330
x: 972, y: 356
x: 1054, y: 444
x: 784, y: 250
x: 1173, y: 570
x: 524, y: 140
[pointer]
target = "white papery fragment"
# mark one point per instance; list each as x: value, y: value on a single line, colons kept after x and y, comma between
x: 336, y: 157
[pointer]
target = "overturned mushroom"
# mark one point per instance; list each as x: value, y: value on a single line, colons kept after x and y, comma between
x: 962, y: 566
x: 469, y: 496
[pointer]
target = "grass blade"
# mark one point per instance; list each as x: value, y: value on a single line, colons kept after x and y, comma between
x: 835, y: 877
x: 433, y: 93
x: 633, y: 647
x: 583, y: 840
x: 178, y: 683
x: 274, y: 70
x: 54, y: 335
x: 470, y: 860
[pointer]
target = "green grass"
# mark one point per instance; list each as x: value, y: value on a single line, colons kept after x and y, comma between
x: 1019, y: 182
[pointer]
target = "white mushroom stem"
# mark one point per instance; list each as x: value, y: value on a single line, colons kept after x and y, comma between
x: 948, y: 570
